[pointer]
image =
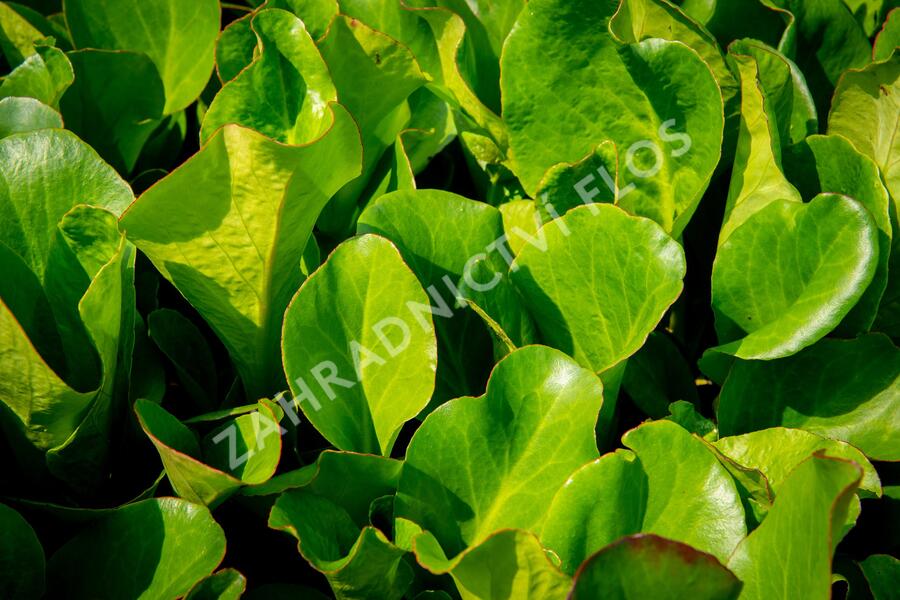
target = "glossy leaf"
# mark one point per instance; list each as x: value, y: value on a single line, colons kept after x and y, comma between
x: 227, y: 584
x: 649, y: 566
x: 179, y: 37
x: 235, y: 251
x: 888, y: 39
x: 790, y: 274
x: 693, y: 501
x: 558, y: 111
x: 20, y: 115
x: 184, y: 541
x: 840, y: 389
x: 284, y: 92
x: 372, y: 368
x: 45, y: 76
x: 512, y: 435
x: 792, y: 548
x: 621, y: 274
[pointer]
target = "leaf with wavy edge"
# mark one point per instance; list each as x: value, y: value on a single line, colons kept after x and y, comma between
x: 235, y: 250
x: 791, y: 550
x: 511, y: 438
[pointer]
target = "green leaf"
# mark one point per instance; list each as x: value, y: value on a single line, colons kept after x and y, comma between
x: 658, y: 375
x: 358, y: 565
x: 235, y: 251
x: 21, y: 558
x: 829, y: 41
x: 448, y: 240
x: 284, y: 92
x: 888, y: 39
x: 656, y: 100
x: 243, y: 451
x: 777, y: 451
x: 17, y: 35
x: 114, y: 104
x: 508, y: 565
x: 599, y: 282
x: 374, y: 75
x: 685, y: 414
x: 788, y: 99
x: 44, y: 76
x: 693, y: 500
x: 226, y: 584
x: 791, y: 550
x: 756, y: 178
x: 359, y: 351
x: 179, y: 37
x: 789, y: 274
x: 730, y: 20
x: 882, y: 572
x: 649, y: 566
x: 512, y: 440
x: 831, y: 164
x: 21, y: 115
x: 184, y: 345
x: 157, y: 548
x: 840, y: 389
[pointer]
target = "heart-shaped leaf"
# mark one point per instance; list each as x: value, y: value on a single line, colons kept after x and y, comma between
x: 536, y: 397
x: 790, y: 274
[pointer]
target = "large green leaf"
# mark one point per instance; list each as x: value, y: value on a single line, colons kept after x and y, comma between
x: 183, y: 344
x: 693, y: 500
x: 67, y: 319
x: 888, y: 38
x: 730, y: 20
x: 831, y: 164
x: 226, y: 584
x: 533, y: 427
x: 284, y: 92
x: 791, y: 550
x: 242, y: 451
x: 358, y: 564
x: 866, y: 111
x: 659, y: 375
x: 20, y: 115
x: 359, y: 353
x: 756, y: 178
x: 235, y: 250
x: 327, y: 508
x: 777, y: 451
x: 157, y: 548
x: 21, y: 558
x: 179, y: 37
x: 452, y: 242
x: 599, y: 282
x: 17, y: 35
x: 840, y: 389
x: 569, y: 85
x: 649, y: 566
x: 114, y: 104
x: 790, y: 273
